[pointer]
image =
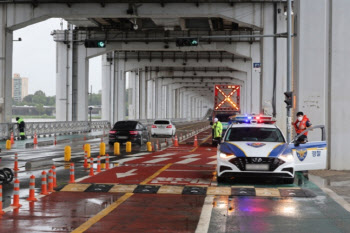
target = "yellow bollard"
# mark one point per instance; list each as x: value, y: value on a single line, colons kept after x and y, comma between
x: 149, y: 146
x: 116, y: 148
x: 67, y: 153
x: 87, y: 148
x: 8, y: 144
x: 128, y: 147
x: 102, y: 148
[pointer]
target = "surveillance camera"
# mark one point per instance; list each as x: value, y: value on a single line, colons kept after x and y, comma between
x: 136, y: 26
x: 166, y: 46
x: 184, y: 63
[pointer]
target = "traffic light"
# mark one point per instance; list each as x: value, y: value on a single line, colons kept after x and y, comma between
x: 95, y: 43
x: 288, y: 99
x: 180, y: 42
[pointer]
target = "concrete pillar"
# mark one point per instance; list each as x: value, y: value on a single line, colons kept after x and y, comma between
x: 255, y: 78
x: 164, y: 101
x: 310, y: 59
x: 338, y: 85
x: 151, y: 96
x: 158, y: 97
x: 72, y: 81
x: 273, y: 80
x: 142, y: 94
x: 267, y: 66
x: 6, y: 38
x: 107, y: 87
x: 64, y: 80
x: 131, y: 94
x: 80, y: 83
x: 119, y: 88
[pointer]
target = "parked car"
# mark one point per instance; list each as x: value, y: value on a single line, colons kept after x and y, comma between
x: 163, y: 128
x: 132, y: 131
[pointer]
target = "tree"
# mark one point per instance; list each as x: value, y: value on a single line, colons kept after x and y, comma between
x: 40, y: 93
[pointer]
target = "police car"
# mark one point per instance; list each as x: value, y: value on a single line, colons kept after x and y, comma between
x: 253, y: 146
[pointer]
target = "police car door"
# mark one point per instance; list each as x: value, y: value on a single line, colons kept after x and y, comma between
x: 311, y: 155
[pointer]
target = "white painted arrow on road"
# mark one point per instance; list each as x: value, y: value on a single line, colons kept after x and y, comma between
x: 125, y: 174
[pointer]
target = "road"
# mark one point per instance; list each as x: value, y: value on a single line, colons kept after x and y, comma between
x: 173, y: 190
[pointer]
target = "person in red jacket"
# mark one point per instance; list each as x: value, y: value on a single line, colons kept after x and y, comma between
x: 301, y: 124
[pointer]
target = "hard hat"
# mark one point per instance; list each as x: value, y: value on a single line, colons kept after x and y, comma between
x: 216, y: 119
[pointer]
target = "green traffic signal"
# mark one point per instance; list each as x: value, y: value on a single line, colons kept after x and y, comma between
x: 194, y: 42
x: 101, y: 44
x: 90, y: 43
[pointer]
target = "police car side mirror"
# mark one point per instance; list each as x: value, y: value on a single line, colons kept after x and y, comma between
x: 296, y: 143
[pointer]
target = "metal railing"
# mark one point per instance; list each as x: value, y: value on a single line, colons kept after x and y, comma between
x: 52, y: 128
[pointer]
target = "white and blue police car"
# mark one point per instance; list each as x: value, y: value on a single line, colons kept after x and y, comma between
x: 253, y: 146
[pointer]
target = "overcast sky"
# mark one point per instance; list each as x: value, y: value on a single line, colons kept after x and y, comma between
x: 35, y: 58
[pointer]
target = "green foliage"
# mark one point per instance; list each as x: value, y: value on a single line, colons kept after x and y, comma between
x: 38, y: 99
x: 95, y: 99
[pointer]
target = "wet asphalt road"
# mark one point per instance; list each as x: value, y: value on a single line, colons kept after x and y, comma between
x: 56, y: 155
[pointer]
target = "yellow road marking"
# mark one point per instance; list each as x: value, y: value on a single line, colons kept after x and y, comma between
x: 114, y: 205
x: 83, y: 227
x: 156, y: 174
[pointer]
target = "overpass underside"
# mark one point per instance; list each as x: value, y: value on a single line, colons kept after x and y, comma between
x: 146, y: 76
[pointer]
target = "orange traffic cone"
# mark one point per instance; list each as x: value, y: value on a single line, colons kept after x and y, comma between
x: 43, y: 184
x: 195, y: 142
x: 107, y: 161
x: 12, y: 139
x: 91, y: 167
x: 35, y: 140
x: 176, y: 142
x: 32, y: 189
x: 1, y: 211
x: 98, y: 164
x: 71, y: 173
x: 16, y: 194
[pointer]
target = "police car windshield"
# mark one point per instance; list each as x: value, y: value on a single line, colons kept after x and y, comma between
x: 254, y: 134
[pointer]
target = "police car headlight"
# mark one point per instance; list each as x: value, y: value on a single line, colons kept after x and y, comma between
x: 288, y: 157
x: 225, y: 156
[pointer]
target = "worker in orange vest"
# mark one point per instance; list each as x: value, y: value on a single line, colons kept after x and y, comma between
x: 301, y: 124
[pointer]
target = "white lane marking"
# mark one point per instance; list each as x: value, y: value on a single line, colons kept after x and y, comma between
x: 173, y: 170
x: 139, y: 154
x: 125, y: 174
x: 213, y: 157
x: 156, y: 160
x: 190, y: 156
x: 164, y: 155
x: 82, y: 178
x: 186, y: 161
x: 204, y: 219
x: 213, y: 162
x: 121, y: 161
x: 341, y: 201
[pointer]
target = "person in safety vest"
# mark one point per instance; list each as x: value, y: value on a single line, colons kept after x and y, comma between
x: 21, y: 126
x: 217, y: 127
x: 301, y: 124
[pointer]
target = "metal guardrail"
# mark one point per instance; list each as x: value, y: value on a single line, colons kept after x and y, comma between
x: 53, y: 128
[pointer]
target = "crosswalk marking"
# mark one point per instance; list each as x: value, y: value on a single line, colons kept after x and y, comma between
x: 164, y: 155
x: 190, y: 156
x: 213, y: 162
x: 186, y: 161
x: 156, y: 160
x: 126, y: 160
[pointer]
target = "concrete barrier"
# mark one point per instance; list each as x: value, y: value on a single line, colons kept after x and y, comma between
x: 41, y: 143
x: 32, y: 165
